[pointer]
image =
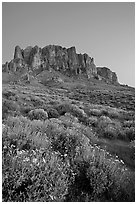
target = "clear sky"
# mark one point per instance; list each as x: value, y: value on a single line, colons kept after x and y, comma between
x: 105, y: 31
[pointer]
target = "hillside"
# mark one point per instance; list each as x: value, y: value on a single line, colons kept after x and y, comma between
x: 68, y: 129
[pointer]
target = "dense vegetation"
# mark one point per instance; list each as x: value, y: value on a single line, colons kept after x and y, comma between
x: 56, y: 147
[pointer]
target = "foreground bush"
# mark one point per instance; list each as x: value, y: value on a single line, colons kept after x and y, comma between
x: 109, y: 178
x: 34, y: 176
x: 54, y: 160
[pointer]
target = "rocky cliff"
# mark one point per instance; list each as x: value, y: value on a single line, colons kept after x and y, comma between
x: 107, y: 74
x: 67, y: 61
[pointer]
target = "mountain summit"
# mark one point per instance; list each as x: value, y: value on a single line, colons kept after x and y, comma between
x: 52, y: 57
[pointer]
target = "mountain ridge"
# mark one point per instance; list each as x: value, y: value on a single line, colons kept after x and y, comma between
x: 66, y: 60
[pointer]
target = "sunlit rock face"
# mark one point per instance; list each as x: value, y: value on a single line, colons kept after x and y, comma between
x: 35, y: 58
x: 107, y: 74
x: 90, y: 66
x: 65, y: 60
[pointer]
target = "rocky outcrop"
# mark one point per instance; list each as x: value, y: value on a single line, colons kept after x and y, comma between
x: 90, y: 66
x: 107, y: 74
x: 53, y: 57
x: 35, y: 58
x: 5, y: 67
x: 16, y: 64
x: 72, y: 60
x: 26, y: 54
x: 67, y: 60
x: 18, y: 53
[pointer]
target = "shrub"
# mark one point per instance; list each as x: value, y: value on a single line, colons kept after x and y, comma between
x: 63, y: 108
x: 8, y: 94
x: 129, y: 123
x: 25, y: 134
x: 130, y: 133
x: 54, y: 160
x: 127, y: 134
x: 35, y: 176
x: 95, y: 112
x: 108, y: 128
x: 98, y: 110
x: 127, y: 115
x: 26, y: 109
x: 52, y: 113
x: 73, y: 110
x: 101, y: 179
x: 104, y: 121
x: 68, y: 120
x: 78, y: 112
x: 110, y: 132
x: 37, y: 101
x: 38, y: 114
x: 93, y: 121
x: 17, y: 130
x: 113, y: 113
x: 105, y: 112
x: 132, y: 144
x: 109, y: 178
x: 9, y: 107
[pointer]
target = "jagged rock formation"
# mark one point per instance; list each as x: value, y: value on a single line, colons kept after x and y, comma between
x: 26, y: 54
x: 61, y: 59
x: 18, y: 53
x: 107, y: 74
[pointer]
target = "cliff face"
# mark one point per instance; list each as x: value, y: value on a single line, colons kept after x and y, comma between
x: 107, y: 74
x: 57, y: 58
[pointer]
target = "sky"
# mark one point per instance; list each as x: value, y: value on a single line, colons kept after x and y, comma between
x: 105, y: 31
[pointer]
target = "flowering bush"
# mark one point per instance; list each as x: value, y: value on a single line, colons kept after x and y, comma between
x: 109, y: 177
x: 35, y: 176
x: 58, y: 160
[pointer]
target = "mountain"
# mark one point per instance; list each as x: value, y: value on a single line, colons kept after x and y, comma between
x: 68, y: 129
x: 52, y: 57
